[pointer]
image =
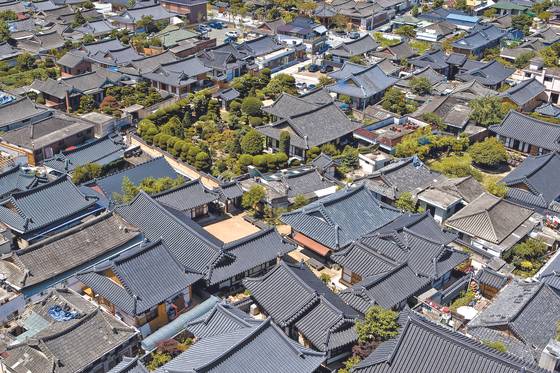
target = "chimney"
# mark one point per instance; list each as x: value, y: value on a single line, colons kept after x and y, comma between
x: 550, y: 357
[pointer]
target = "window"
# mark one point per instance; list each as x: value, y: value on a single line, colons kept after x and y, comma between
x: 547, y: 78
x: 152, y: 314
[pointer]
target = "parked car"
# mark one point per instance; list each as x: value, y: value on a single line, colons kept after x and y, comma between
x: 313, y: 68
x: 216, y: 24
x: 354, y: 35
x: 203, y: 29
x: 326, y: 69
x: 232, y: 34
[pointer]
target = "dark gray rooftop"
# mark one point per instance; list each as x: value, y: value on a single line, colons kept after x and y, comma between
x: 187, y: 196
x: 360, y: 46
x: 525, y: 91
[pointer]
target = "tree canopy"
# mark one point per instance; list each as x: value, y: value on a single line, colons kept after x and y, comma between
x: 488, y: 110
x: 395, y: 101
x: 490, y: 152
x: 379, y: 324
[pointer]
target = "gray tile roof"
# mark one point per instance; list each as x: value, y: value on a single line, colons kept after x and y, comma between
x: 55, y: 258
x: 490, y: 218
x: 525, y: 91
x: 293, y: 295
x: 314, y: 127
x: 156, y: 167
x: 491, y: 74
x: 193, y: 249
x: 43, y: 206
x: 261, y: 46
x: 187, y: 196
x: 180, y: 72
x: 322, y: 162
x: 340, y: 218
x: 423, y: 346
x: 231, y: 190
x: 363, y: 84
x: 435, y: 59
x: 548, y: 109
x: 347, y: 70
x: 101, y: 151
x: 550, y: 273
x: 18, y: 111
x: 489, y: 277
x: 529, y: 311
x: 71, y: 346
x: 129, y: 365
x: 403, y: 175
x: 302, y: 181
x: 535, y: 181
x: 360, y: 46
x: 388, y: 289
x: 530, y: 130
x: 257, y: 349
x: 15, y: 179
x: 143, y: 282
x: 222, y: 318
x: 248, y: 253
x: 480, y: 38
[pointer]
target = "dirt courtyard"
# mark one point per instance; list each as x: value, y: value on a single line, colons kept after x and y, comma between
x: 231, y: 229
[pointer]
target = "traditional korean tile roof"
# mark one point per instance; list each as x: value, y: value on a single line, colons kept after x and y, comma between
x: 424, y: 346
x: 525, y: 91
x: 548, y: 109
x: 247, y: 349
x: 231, y: 190
x: 187, y: 196
x: 435, y: 59
x: 489, y: 277
x: 529, y: 311
x: 480, y: 38
x: 55, y: 258
x: 248, y: 253
x: 340, y: 218
x: 360, y: 46
x: 146, y: 276
x: 17, y: 111
x: 129, y: 365
x: 101, y: 151
x: 220, y: 319
x: 530, y: 130
x: 491, y: 74
x: 69, y: 346
x: 156, y: 167
x: 293, y: 295
x: 45, y: 205
x: 15, y: 179
x: 534, y: 182
x: 490, y: 218
x: 366, y: 83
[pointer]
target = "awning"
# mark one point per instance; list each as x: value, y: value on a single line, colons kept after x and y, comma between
x: 176, y: 326
x: 311, y: 244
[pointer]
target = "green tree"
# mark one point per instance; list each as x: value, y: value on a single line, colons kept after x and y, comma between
x: 79, y: 19
x: 522, y: 22
x: 406, y: 30
x: 158, y: 359
x: 437, y: 4
x: 415, y: 11
x: 88, y: 5
x: 405, y: 202
x: 395, y: 101
x: 490, y: 152
x: 252, y: 142
x: 8, y: 15
x: 325, y: 81
x: 434, y: 120
x: 87, y: 104
x: 146, y: 23
x: 281, y: 83
x: 496, y: 345
x: 349, y: 364
x: 284, y: 142
x: 488, y: 110
x: 358, y: 60
x: 549, y: 56
x: 489, y: 13
x: 253, y: 197
x: 26, y: 61
x: 340, y: 21
x: 4, y: 31
x: 421, y: 85
x: 495, y: 188
x: 88, y: 39
x: 299, y: 201
x: 203, y: 162
x: 378, y: 325
x: 461, y: 5
x: 251, y: 106
x: 86, y: 172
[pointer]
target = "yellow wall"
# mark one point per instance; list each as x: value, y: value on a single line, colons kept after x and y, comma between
x: 161, y: 318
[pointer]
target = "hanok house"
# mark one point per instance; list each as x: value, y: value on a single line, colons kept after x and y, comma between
x: 283, y: 187
x: 65, y: 94
x: 192, y: 198
x: 445, y: 198
x: 145, y: 286
x: 364, y: 85
x: 360, y: 47
x: 527, y: 134
x: 527, y: 95
x: 129, y: 18
x: 493, y: 224
x: 534, y: 183
x: 480, y: 39
x: 311, y: 121
x: 57, y: 259
x: 18, y: 179
x: 523, y: 316
x: 65, y: 333
x: 103, y: 152
x: 398, y: 261
x: 46, y: 136
x: 407, y: 175
x: 492, y: 74
x: 45, y: 210
x: 306, y: 309
x: 19, y: 112
x: 223, y: 265
x: 193, y: 10
x: 421, y: 345
x: 490, y: 282
x: 179, y: 78
x: 333, y: 222
x: 230, y: 339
